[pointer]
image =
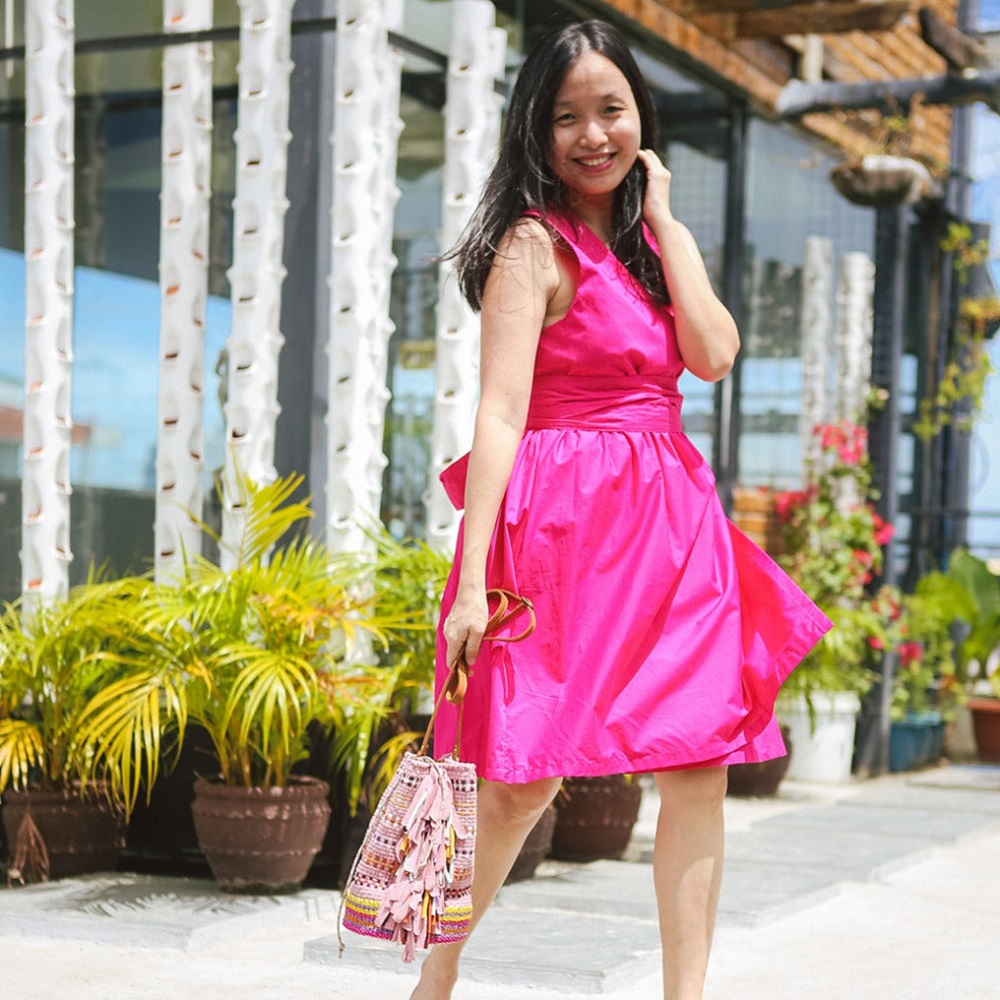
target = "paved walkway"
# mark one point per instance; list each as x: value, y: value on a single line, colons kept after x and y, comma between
x: 882, y: 889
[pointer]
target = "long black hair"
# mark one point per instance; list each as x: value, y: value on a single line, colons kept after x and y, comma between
x: 522, y: 178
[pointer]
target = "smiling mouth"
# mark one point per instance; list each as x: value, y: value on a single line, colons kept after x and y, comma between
x: 595, y: 161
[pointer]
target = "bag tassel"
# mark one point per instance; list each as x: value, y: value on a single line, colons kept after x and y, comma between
x: 415, y: 901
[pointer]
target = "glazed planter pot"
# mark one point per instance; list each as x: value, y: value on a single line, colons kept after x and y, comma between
x: 536, y: 847
x: 595, y: 817
x: 824, y: 742
x: 261, y: 840
x: 81, y: 835
x: 760, y: 780
x: 986, y: 727
x: 915, y: 741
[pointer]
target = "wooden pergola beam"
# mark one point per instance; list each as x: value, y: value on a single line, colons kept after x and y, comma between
x: 824, y: 18
x: 797, y: 98
x: 700, y: 48
x: 740, y: 6
x: 959, y: 49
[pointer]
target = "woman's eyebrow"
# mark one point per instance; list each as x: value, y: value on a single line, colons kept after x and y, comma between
x: 612, y: 95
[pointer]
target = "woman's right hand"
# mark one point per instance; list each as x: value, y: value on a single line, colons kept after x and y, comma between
x: 465, y: 625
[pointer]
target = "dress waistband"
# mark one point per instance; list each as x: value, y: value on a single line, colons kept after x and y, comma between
x: 605, y: 402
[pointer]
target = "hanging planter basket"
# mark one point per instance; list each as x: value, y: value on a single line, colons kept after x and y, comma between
x: 883, y: 181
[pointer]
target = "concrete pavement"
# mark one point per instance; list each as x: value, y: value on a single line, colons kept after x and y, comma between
x: 882, y: 889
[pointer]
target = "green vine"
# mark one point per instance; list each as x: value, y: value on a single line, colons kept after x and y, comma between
x: 958, y: 398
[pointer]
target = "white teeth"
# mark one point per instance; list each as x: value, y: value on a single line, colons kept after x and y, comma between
x: 595, y: 161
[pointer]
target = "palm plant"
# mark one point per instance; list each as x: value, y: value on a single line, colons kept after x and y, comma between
x: 51, y: 667
x: 257, y: 655
x: 410, y: 576
x: 409, y: 579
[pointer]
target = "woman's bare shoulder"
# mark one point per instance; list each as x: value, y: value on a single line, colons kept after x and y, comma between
x: 528, y: 235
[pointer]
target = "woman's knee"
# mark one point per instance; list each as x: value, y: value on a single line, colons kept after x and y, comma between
x: 516, y: 803
x: 701, y: 786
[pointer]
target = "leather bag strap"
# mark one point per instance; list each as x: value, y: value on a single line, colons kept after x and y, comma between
x: 509, y: 606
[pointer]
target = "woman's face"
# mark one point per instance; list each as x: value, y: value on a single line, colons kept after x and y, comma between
x: 596, y: 129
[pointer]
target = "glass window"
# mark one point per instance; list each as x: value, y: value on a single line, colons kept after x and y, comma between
x: 784, y: 170
x: 116, y: 286
x: 412, y: 308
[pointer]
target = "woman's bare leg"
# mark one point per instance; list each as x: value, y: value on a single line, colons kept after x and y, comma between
x: 506, y: 815
x: 687, y: 871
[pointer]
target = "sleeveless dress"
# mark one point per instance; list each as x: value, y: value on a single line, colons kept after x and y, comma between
x: 663, y: 632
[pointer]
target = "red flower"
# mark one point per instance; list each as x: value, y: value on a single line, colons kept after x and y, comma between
x: 831, y: 436
x: 910, y: 654
x: 848, y: 440
x: 883, y: 529
x: 875, y: 642
x: 786, y: 503
x: 864, y: 557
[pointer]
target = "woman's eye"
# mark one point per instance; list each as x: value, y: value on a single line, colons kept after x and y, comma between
x: 613, y: 109
x: 564, y: 119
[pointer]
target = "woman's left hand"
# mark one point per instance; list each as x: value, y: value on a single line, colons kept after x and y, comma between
x: 656, y: 204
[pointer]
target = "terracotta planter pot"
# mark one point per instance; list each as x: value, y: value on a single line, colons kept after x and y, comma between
x: 261, y: 840
x: 536, y: 847
x: 986, y: 726
x: 595, y: 817
x: 80, y: 835
x: 760, y: 780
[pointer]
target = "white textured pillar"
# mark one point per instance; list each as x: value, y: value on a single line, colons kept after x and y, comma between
x: 855, y: 327
x: 48, y: 246
x: 855, y: 319
x: 184, y: 225
x: 366, y: 127
x: 817, y: 281
x: 472, y: 130
x: 257, y: 273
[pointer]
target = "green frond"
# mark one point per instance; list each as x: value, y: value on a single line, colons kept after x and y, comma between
x: 270, y: 704
x: 388, y: 758
x: 268, y: 514
x: 120, y: 734
x: 359, y: 700
x: 22, y: 751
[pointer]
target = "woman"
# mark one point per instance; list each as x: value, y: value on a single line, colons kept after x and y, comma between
x: 663, y: 634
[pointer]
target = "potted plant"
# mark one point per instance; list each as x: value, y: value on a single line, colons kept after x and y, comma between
x: 926, y: 689
x: 833, y: 548
x: 410, y: 577
x: 258, y: 656
x: 887, y: 176
x: 960, y: 390
x: 52, y: 664
x: 979, y: 650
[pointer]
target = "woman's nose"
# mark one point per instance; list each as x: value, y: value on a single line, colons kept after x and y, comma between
x: 594, y: 134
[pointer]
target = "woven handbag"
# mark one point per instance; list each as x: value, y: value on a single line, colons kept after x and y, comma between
x: 411, y: 882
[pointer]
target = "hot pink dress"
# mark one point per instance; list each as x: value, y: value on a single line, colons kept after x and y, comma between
x: 663, y: 633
